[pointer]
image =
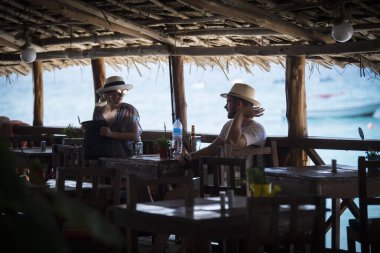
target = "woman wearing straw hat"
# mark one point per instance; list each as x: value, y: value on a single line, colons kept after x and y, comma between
x: 123, y: 119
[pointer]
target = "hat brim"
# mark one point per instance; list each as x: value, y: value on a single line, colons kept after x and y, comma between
x: 116, y: 87
x: 253, y: 101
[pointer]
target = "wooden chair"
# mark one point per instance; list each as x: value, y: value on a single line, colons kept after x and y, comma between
x: 68, y: 156
x: 258, y: 154
x: 134, y: 184
x: 281, y: 221
x: 364, y: 229
x: 221, y: 174
x: 94, y: 194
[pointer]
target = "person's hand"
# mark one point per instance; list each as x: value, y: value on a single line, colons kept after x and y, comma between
x: 254, y: 111
x: 184, y: 156
x: 105, y: 131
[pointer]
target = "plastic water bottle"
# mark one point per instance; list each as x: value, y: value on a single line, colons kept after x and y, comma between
x: 177, y: 138
x: 139, y: 147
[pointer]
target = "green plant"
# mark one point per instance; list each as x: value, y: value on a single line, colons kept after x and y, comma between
x: 257, y: 176
x: 29, y: 214
x: 162, y: 142
x: 70, y: 131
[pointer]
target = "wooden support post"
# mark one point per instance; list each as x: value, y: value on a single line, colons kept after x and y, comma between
x: 38, y: 94
x: 296, y: 105
x: 179, y: 90
x: 98, y: 74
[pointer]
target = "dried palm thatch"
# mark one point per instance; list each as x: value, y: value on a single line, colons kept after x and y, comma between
x: 206, y: 32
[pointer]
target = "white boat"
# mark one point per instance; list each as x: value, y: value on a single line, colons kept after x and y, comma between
x: 347, y: 111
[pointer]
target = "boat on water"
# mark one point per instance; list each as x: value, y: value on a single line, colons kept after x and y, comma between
x: 346, y: 111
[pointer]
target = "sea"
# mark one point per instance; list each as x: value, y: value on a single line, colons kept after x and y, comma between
x: 69, y: 99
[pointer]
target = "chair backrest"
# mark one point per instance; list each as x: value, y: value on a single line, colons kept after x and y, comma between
x: 222, y: 174
x: 68, y: 156
x: 278, y: 221
x: 258, y: 153
x: 366, y: 169
x: 95, y: 187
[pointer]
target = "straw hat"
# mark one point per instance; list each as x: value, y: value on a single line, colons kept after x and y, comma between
x: 243, y: 91
x: 114, y: 83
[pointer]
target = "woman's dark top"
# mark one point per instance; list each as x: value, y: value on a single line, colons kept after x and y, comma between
x: 123, y: 121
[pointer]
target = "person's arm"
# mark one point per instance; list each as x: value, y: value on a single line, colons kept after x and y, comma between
x: 235, y: 136
x: 130, y: 136
x: 210, y: 150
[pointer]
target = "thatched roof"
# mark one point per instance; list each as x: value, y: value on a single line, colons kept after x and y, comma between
x: 205, y: 32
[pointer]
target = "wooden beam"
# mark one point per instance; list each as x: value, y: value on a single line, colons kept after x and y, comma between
x: 255, y: 15
x: 296, y: 104
x: 357, y: 47
x: 38, y: 119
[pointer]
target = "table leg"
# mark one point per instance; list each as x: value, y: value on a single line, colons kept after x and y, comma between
x: 335, y: 229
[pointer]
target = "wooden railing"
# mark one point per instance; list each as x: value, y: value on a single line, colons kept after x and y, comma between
x: 284, y: 144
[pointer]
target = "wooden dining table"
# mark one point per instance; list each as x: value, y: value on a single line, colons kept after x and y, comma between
x: 24, y: 155
x: 341, y: 186
x: 147, y: 166
x: 205, y: 221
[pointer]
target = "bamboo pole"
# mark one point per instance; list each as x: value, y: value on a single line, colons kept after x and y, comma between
x: 98, y: 75
x: 296, y: 105
x: 38, y: 94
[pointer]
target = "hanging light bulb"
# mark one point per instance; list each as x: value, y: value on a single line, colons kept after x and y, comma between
x: 28, y: 54
x: 342, y: 32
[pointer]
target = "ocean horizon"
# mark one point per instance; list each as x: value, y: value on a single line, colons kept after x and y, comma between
x: 69, y: 94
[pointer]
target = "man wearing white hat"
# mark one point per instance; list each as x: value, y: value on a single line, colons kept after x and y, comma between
x: 241, y: 130
x: 123, y: 119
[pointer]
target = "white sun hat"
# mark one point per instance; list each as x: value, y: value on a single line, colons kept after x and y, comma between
x: 114, y: 83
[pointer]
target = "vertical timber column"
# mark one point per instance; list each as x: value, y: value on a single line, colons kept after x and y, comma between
x: 98, y: 74
x: 296, y: 105
x: 38, y: 117
x: 179, y: 90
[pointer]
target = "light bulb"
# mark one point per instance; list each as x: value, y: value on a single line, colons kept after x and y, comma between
x: 342, y: 32
x: 28, y: 55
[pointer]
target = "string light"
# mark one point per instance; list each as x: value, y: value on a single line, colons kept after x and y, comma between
x: 342, y: 32
x: 28, y: 54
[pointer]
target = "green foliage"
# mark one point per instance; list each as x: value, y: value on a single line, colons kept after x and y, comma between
x: 29, y: 214
x: 162, y: 142
x: 70, y: 131
x: 257, y: 176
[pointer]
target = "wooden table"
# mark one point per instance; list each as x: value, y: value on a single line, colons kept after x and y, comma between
x: 149, y: 166
x: 340, y: 186
x: 28, y: 153
x: 205, y: 221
